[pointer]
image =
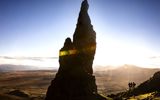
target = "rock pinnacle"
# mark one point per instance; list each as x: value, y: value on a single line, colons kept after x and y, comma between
x: 74, y: 79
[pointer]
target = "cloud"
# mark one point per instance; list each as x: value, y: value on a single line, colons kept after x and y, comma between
x: 155, y: 61
x: 31, y: 61
x: 6, y: 57
x: 155, y: 57
x: 28, y: 58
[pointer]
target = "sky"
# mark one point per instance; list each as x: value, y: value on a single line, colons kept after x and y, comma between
x: 128, y: 31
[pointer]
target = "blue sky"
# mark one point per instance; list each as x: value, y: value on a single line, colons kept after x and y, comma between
x: 128, y: 31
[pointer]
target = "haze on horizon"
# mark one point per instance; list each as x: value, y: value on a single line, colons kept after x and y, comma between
x: 32, y: 32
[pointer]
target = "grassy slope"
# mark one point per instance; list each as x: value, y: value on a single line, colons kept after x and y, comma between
x: 147, y: 96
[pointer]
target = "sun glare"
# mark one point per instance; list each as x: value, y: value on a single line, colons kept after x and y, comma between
x: 114, y: 53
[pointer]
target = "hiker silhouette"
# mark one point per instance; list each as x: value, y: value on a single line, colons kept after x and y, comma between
x: 131, y: 85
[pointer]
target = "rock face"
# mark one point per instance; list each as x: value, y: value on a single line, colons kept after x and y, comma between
x: 74, y: 80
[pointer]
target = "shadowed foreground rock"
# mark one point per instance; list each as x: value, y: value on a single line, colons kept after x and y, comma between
x: 74, y: 80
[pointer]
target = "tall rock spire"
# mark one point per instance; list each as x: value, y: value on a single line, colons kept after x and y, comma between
x: 84, y: 29
x: 75, y: 80
x: 83, y: 15
x: 84, y: 38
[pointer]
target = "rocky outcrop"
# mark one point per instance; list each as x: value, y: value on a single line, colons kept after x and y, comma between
x: 151, y: 85
x: 74, y: 80
x: 19, y: 93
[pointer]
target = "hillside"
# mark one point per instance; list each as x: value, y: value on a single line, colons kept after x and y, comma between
x: 151, y: 85
x: 148, y: 90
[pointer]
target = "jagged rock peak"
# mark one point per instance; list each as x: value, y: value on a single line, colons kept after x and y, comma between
x: 84, y: 5
x: 84, y: 35
x: 84, y: 18
x: 67, y: 43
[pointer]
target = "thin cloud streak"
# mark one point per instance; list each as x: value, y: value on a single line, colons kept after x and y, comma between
x: 28, y: 58
x: 155, y: 57
x: 31, y: 61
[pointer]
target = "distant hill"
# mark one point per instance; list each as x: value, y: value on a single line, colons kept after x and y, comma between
x: 127, y: 72
x: 114, y: 80
x: 134, y: 73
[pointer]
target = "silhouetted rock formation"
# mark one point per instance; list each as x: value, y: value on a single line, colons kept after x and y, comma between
x: 84, y: 39
x: 74, y: 80
x: 151, y: 85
